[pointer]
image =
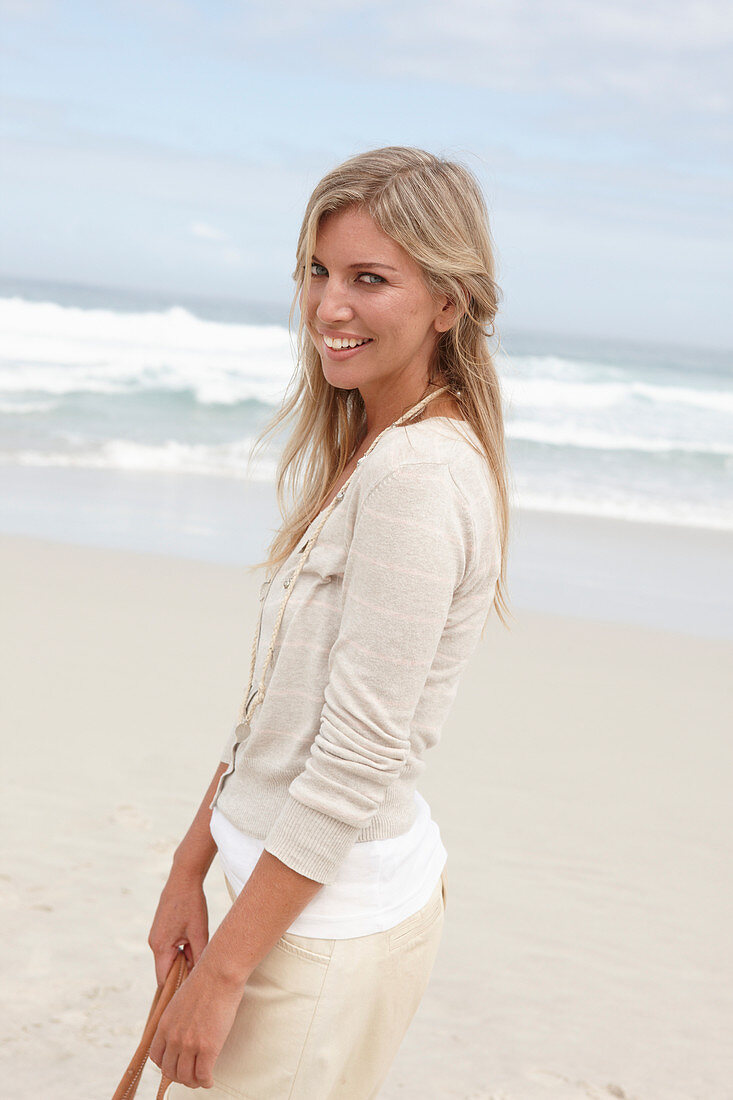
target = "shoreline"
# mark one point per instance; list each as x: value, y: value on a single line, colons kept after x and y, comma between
x: 665, y: 576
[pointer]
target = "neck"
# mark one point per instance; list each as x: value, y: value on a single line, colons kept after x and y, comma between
x: 379, y: 415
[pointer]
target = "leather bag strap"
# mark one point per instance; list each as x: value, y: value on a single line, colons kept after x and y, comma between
x: 163, y: 995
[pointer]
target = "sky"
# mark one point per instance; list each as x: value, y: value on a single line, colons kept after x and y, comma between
x: 171, y: 146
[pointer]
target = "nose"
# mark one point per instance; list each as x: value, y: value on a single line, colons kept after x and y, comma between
x: 334, y: 304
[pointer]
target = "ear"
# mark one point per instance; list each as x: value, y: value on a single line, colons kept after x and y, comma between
x: 447, y: 316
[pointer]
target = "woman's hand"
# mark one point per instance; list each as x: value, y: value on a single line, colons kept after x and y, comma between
x: 182, y: 917
x: 194, y: 1027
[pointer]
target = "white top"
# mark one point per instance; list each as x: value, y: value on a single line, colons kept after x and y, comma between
x: 377, y: 885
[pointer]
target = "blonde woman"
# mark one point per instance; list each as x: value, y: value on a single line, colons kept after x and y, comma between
x: 380, y: 581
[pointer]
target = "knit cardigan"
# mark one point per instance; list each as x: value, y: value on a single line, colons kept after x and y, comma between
x: 384, y: 616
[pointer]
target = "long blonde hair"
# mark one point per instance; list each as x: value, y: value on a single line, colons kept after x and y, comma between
x: 435, y: 210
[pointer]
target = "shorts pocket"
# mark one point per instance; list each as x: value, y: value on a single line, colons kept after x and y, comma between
x: 293, y: 945
x: 265, y: 1045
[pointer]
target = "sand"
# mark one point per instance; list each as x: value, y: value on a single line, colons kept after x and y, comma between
x: 582, y: 788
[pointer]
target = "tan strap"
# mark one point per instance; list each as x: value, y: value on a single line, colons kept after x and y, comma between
x: 163, y: 996
x: 249, y: 703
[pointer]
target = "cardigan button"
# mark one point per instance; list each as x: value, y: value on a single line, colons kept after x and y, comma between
x: 340, y: 494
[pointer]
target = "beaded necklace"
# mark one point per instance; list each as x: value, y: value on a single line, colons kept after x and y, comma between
x: 247, y: 708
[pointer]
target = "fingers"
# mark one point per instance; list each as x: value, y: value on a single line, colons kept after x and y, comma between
x: 204, y: 1073
x: 164, y: 954
x: 185, y: 1070
x: 192, y: 1070
x: 181, y: 918
x: 164, y: 959
x: 193, y: 939
x: 169, y: 1064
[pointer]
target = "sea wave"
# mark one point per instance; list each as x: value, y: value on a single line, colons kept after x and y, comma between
x: 233, y: 461
x: 52, y: 349
x: 572, y: 435
x: 634, y: 509
x: 554, y: 393
x: 167, y: 391
x: 226, y: 460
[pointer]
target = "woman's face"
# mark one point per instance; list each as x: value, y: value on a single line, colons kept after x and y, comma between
x: 365, y: 287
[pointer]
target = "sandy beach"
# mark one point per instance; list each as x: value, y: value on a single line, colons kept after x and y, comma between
x: 587, y: 950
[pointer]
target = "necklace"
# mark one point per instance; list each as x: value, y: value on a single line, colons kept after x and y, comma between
x: 250, y: 702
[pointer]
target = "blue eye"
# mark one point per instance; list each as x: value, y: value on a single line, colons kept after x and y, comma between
x: 316, y: 265
x: 372, y: 275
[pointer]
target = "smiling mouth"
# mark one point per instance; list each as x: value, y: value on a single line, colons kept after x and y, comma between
x: 338, y: 350
x: 338, y: 344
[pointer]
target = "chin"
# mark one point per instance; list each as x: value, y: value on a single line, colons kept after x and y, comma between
x: 340, y: 382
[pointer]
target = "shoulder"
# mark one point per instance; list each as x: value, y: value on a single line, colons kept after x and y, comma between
x: 434, y: 470
x: 436, y: 449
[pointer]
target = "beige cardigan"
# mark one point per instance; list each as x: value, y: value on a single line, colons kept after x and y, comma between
x: 377, y: 630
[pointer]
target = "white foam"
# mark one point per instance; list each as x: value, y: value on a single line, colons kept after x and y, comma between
x: 628, y: 507
x: 225, y: 460
x: 571, y: 435
x: 59, y: 349
x: 26, y: 407
x: 232, y: 461
x: 554, y: 393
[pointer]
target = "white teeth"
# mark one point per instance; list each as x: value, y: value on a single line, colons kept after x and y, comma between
x: 337, y: 343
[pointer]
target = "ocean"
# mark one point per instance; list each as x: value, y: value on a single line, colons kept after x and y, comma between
x: 94, y: 380
x: 126, y: 421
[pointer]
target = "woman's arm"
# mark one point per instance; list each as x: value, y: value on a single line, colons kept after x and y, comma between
x: 182, y: 914
x: 270, y: 901
x: 195, y: 854
x: 194, y: 1026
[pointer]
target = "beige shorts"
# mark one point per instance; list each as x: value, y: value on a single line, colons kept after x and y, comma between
x: 323, y: 1019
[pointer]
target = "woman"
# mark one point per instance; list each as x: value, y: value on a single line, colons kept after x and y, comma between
x: 393, y: 555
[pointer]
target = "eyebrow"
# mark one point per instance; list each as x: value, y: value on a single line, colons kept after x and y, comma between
x: 364, y: 263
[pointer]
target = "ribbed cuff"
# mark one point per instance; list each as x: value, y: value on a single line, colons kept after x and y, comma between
x: 310, y: 842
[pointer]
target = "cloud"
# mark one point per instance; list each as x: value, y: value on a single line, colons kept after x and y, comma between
x: 596, y: 127
x: 25, y: 9
x: 662, y: 55
x: 226, y: 251
x: 654, y: 73
x: 206, y: 232
x: 661, y: 52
